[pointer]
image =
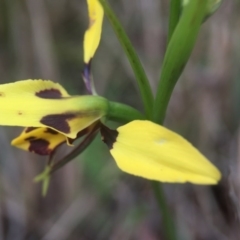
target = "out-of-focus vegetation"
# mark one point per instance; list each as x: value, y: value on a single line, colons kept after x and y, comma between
x: 90, y: 198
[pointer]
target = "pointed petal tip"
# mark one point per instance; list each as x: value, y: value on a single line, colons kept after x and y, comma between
x: 151, y: 151
x: 92, y: 36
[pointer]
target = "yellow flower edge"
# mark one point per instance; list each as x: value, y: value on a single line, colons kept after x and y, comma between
x: 93, y: 34
x: 43, y: 141
x: 151, y: 151
x: 43, y: 103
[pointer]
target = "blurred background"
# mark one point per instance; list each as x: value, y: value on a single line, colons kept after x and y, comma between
x: 90, y: 198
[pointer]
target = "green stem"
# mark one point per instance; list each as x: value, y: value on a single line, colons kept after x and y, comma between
x: 177, y: 54
x: 123, y: 113
x: 175, y: 12
x: 142, y: 80
x: 168, y: 223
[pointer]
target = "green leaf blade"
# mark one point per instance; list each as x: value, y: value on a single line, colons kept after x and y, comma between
x: 177, y: 54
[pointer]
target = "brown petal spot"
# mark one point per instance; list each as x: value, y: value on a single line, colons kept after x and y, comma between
x: 109, y: 136
x: 2, y: 94
x: 58, y: 121
x: 29, y: 138
x: 49, y: 93
x: 39, y: 146
x: 20, y: 113
x: 51, y: 131
x: 29, y: 129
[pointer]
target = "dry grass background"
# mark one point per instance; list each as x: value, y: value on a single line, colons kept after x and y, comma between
x: 90, y: 199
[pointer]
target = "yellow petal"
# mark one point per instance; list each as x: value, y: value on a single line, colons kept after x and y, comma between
x: 93, y: 34
x: 43, y: 141
x: 148, y: 150
x: 40, y: 103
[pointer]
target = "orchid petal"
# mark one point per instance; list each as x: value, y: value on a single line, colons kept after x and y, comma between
x: 151, y: 151
x: 93, y: 34
x: 43, y: 141
x: 41, y: 103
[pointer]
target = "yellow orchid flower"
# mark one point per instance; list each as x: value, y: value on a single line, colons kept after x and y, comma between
x: 151, y: 151
x: 44, y: 140
x: 52, y: 117
x: 42, y: 103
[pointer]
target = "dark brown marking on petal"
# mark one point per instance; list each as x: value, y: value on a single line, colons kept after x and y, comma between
x: 40, y: 146
x: 58, y: 121
x: 29, y: 129
x: 20, y: 113
x: 49, y: 94
x: 109, y: 136
x: 51, y: 131
x: 29, y: 138
x: 2, y: 94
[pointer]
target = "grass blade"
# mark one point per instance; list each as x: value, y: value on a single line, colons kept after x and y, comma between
x: 178, y: 53
x: 136, y: 65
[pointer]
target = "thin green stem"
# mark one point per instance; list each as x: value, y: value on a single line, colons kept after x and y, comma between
x: 177, y: 54
x: 168, y: 223
x: 174, y: 15
x: 142, y: 80
x: 123, y: 113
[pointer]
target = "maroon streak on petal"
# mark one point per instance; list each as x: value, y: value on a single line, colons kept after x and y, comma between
x: 30, y: 138
x: 29, y: 129
x: 49, y: 94
x: 40, y: 146
x: 109, y: 136
x: 58, y: 121
x: 51, y: 131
